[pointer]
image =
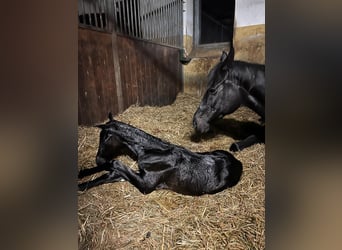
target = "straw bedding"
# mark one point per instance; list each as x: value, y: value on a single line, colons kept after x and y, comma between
x: 118, y: 216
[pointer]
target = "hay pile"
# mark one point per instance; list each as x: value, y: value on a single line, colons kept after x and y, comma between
x: 118, y: 216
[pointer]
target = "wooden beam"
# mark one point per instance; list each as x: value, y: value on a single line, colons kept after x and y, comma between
x: 117, y: 72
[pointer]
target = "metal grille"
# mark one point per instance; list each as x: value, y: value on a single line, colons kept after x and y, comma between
x: 160, y: 21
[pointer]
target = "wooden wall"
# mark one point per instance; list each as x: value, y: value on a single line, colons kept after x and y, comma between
x: 117, y: 71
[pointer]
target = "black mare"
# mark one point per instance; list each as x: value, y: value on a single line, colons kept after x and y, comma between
x: 232, y: 84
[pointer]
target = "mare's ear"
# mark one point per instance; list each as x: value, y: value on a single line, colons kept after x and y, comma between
x: 223, y: 56
x: 229, y: 59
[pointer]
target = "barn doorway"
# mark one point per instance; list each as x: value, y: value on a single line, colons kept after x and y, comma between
x: 213, y: 26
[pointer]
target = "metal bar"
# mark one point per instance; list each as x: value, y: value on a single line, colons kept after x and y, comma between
x: 180, y: 31
x: 82, y: 13
x: 101, y: 11
x: 154, y: 20
x: 171, y: 23
x: 123, y: 13
x: 95, y: 8
x: 150, y: 16
x: 98, y: 14
x: 167, y: 24
x: 102, y: 14
x: 135, y: 27
x: 119, y: 16
x: 160, y: 22
x: 113, y: 16
x: 138, y: 19
x: 105, y: 12
x: 134, y: 14
x: 164, y: 26
x: 157, y: 20
x: 155, y: 30
x: 149, y: 20
x: 160, y: 35
x: 142, y: 18
x: 127, y: 22
x: 174, y: 22
x: 177, y: 20
x: 148, y: 27
x: 89, y: 16
x: 181, y: 24
x: 122, y: 16
x: 130, y: 15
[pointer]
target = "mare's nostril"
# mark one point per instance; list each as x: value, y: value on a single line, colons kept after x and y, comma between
x: 100, y: 161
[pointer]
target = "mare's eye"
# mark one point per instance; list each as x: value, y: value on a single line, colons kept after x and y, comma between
x: 212, y: 91
x: 212, y: 108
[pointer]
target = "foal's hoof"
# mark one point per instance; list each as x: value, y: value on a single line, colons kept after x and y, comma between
x: 234, y: 147
x: 82, y: 186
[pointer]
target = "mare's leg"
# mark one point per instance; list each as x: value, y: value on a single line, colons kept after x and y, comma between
x: 257, y: 136
x: 252, y: 103
x: 249, y: 141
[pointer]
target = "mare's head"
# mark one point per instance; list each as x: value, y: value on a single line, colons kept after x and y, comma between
x: 222, y: 94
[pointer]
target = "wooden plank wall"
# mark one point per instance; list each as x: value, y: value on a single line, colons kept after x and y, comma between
x: 96, y: 77
x: 150, y: 74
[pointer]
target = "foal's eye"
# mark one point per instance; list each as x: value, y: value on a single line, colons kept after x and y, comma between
x: 107, y: 138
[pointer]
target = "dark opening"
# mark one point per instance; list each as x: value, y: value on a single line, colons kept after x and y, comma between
x: 216, y: 21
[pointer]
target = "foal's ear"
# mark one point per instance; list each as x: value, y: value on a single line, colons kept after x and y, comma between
x: 101, y: 126
x: 110, y: 116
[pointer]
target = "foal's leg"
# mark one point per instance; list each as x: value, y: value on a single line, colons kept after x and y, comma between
x: 111, y: 177
x: 90, y: 171
x: 145, y: 182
